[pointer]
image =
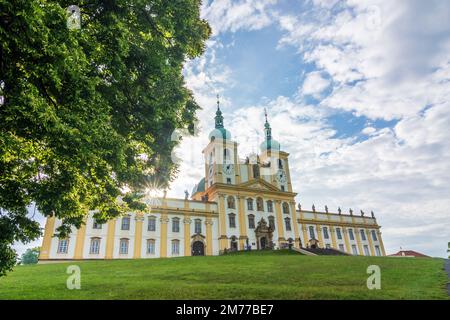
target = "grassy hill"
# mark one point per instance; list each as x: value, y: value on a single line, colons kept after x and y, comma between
x: 254, y: 275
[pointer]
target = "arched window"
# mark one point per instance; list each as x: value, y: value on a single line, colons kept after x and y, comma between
x: 175, y: 224
x: 285, y: 207
x: 251, y: 221
x: 94, y: 248
x: 123, y: 246
x: 151, y: 223
x: 250, y: 204
x: 287, y: 222
x: 231, y: 202
x: 272, y: 222
x: 198, y: 226
x: 151, y: 246
x: 175, y: 247
x: 125, y: 223
x: 363, y: 235
x: 311, y: 232
x: 270, y: 206
x: 259, y: 204
x: 63, y: 245
x: 232, y: 220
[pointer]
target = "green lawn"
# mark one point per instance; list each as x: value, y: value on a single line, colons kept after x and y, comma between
x: 255, y: 275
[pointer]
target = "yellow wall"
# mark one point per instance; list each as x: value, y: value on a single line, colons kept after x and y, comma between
x: 47, y: 241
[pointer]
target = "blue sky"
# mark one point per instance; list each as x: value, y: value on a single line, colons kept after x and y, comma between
x: 357, y: 92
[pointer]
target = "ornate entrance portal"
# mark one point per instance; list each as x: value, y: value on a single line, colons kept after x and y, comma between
x: 264, y: 235
x: 198, y: 248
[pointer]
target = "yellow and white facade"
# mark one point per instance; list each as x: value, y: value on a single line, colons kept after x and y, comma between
x: 240, y: 204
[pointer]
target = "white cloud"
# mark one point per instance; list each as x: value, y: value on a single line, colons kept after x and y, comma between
x: 228, y: 15
x: 314, y: 84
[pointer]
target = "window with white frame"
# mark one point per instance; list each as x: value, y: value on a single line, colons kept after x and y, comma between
x: 175, y: 224
x: 366, y: 250
x: 328, y: 246
x: 341, y: 247
x: 232, y: 220
x: 123, y: 246
x: 95, y: 246
x: 325, y: 233
x: 350, y: 234
x: 311, y: 232
x: 151, y: 223
x: 377, y: 250
x: 63, y: 246
x: 285, y: 207
x: 198, y: 226
x: 249, y: 204
x: 287, y: 222
x: 125, y: 223
x: 259, y: 204
x: 363, y: 235
x: 251, y: 221
x: 374, y: 235
x: 354, y: 249
x: 338, y: 233
x: 151, y: 246
x: 270, y: 206
x: 231, y: 202
x: 175, y: 247
x: 272, y: 222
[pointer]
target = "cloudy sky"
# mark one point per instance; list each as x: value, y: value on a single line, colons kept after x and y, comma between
x: 358, y: 92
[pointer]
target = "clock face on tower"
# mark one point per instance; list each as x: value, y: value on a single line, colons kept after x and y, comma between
x: 281, y: 176
x: 228, y: 169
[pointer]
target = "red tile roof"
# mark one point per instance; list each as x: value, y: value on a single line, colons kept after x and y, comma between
x: 409, y: 253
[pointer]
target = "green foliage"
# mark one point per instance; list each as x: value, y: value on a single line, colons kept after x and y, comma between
x: 30, y: 256
x: 89, y: 112
x: 251, y: 275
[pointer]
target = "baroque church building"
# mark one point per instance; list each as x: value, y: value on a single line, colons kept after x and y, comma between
x: 240, y: 204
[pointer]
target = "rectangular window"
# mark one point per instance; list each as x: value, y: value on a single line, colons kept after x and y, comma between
x: 125, y: 223
x: 251, y: 222
x: 328, y: 246
x: 272, y: 222
x: 95, y: 246
x: 63, y: 245
x: 175, y: 225
x: 282, y: 188
x: 363, y: 235
x: 311, y: 232
x: 175, y: 247
x: 341, y: 247
x: 288, y: 224
x: 151, y: 246
x: 350, y: 234
x: 325, y: 233
x: 377, y: 251
x: 152, y: 224
x: 338, y: 233
x: 198, y: 226
x: 354, y: 250
x: 96, y: 225
x: 232, y: 220
x: 123, y: 248
x: 269, y: 206
x: 374, y: 235
x: 228, y: 180
x: 250, y: 204
x: 366, y: 250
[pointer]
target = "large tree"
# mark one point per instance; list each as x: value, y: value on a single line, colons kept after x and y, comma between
x: 87, y: 113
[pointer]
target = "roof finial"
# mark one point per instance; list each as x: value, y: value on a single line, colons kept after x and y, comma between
x: 265, y: 113
x: 218, y: 102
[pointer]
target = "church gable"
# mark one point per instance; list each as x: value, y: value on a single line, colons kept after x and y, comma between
x: 259, y: 184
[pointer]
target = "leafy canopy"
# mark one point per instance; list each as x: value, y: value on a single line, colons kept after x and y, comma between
x: 87, y: 113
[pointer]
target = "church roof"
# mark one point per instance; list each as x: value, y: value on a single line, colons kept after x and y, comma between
x: 199, y: 187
